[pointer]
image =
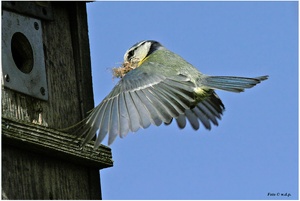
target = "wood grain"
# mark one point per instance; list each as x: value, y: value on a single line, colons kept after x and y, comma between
x: 38, y: 161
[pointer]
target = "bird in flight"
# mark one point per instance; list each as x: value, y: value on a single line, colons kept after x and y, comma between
x: 155, y: 87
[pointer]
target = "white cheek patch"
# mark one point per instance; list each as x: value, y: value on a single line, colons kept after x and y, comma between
x: 141, y: 52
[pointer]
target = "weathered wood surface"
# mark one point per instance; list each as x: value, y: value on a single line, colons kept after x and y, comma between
x: 52, y: 142
x: 30, y: 175
x: 36, y: 162
x: 64, y: 105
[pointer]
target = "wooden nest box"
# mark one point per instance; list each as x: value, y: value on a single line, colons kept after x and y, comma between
x: 47, y: 86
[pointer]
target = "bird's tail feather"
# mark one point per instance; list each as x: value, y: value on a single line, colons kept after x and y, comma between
x: 231, y: 83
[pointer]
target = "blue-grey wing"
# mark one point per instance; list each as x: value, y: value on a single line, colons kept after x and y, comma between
x: 139, y: 99
x: 207, y: 111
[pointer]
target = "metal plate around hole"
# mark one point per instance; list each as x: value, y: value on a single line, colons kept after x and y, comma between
x: 33, y: 83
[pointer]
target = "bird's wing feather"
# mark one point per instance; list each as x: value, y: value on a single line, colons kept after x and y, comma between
x: 207, y: 110
x: 139, y: 99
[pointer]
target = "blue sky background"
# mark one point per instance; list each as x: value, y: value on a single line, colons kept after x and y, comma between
x: 254, y: 150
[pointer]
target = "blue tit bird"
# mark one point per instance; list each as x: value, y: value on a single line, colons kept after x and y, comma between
x: 157, y: 86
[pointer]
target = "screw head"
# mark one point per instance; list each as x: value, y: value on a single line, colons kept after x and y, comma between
x: 36, y: 25
x: 7, y: 78
x: 43, y: 91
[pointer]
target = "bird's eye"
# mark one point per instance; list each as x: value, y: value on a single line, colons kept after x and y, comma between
x: 130, y: 54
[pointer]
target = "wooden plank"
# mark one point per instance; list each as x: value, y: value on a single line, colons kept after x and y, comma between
x: 52, y: 142
x: 36, y: 9
x: 38, y: 161
x: 30, y: 175
x: 81, y: 51
x: 63, y: 107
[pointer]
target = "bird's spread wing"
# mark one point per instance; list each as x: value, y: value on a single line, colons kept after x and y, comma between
x: 207, y: 111
x: 139, y: 99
